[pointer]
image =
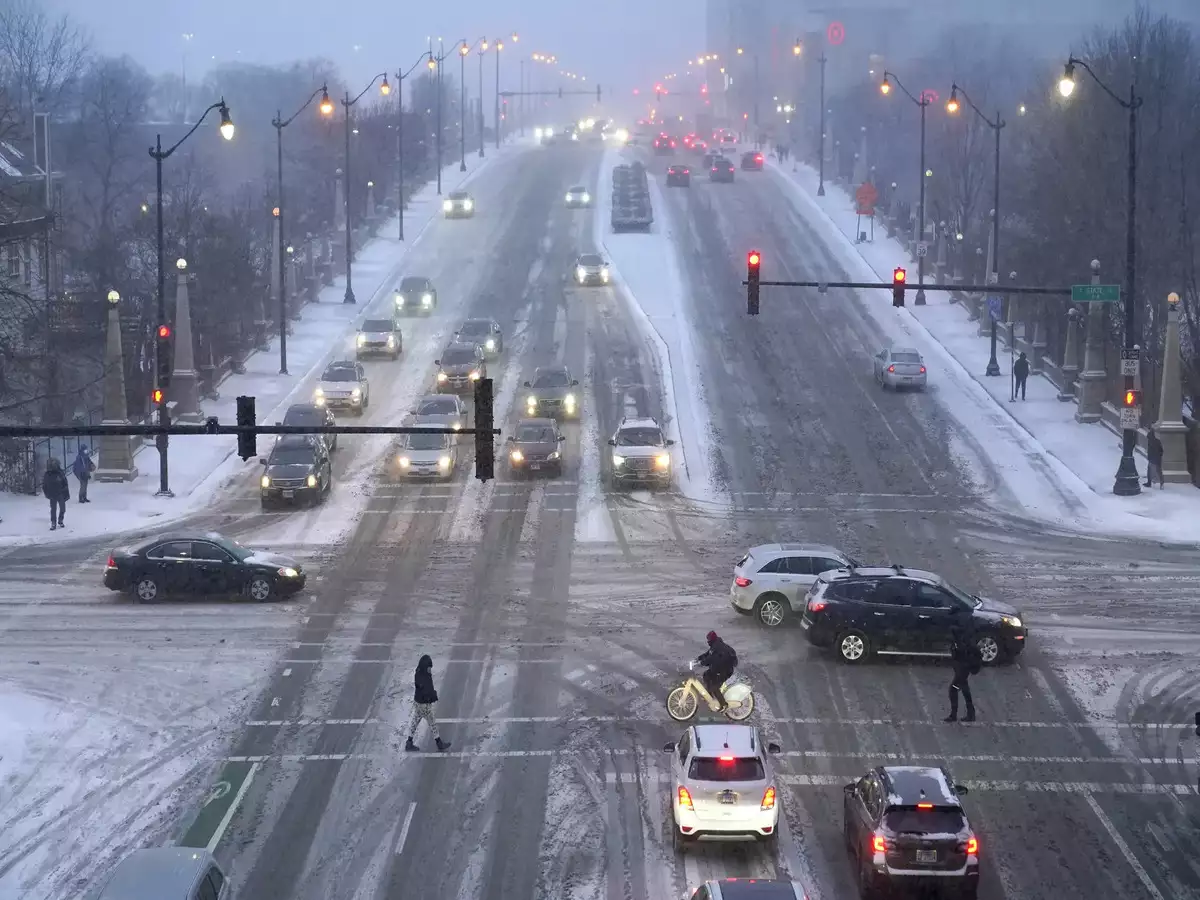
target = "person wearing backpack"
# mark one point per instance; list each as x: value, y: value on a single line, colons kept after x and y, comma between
x: 967, y: 661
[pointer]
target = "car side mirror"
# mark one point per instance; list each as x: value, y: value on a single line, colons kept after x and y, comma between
x: 437, y: 362
x: 670, y: 443
x: 774, y: 748
x: 848, y: 788
x: 612, y: 442
x: 575, y: 383
x: 669, y: 747
x: 526, y: 384
x: 262, y: 460
x: 961, y: 789
x: 561, y: 438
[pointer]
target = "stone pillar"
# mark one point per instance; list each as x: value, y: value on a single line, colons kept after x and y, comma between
x: 1093, y: 380
x: 1038, y: 345
x: 185, y: 388
x: 116, y: 451
x: 1169, y: 427
x: 985, y: 320
x: 1070, y: 367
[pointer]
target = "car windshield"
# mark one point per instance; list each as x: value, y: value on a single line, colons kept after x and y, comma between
x: 639, y: 437
x: 962, y: 596
x: 906, y: 358
x: 552, y: 380
x: 910, y: 820
x: 438, y: 406
x: 233, y: 547
x: 414, y: 284
x: 591, y: 260
x: 578, y: 190
x: 475, y: 326
x: 535, y: 434
x: 427, y: 441
x: 712, y: 768
x: 458, y: 357
x: 377, y: 325
x: 292, y: 456
x: 458, y: 195
x: 340, y: 373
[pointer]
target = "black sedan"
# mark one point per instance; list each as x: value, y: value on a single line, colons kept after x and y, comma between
x: 752, y: 161
x: 201, y: 565
x: 721, y: 171
x: 536, y: 447
x: 679, y: 176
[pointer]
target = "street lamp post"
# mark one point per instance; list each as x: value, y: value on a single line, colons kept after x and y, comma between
x: 521, y: 97
x: 885, y: 88
x: 463, y: 51
x: 821, y: 138
x: 158, y: 154
x: 1126, y: 483
x: 483, y: 47
x: 326, y: 108
x: 426, y: 57
x: 952, y: 107
x: 499, y: 46
x: 384, y: 89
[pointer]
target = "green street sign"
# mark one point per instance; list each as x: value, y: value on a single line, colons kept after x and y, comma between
x: 1095, y: 293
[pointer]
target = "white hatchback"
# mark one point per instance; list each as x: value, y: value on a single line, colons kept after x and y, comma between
x: 722, y: 785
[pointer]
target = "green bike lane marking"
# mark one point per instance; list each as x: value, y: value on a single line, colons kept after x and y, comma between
x: 219, y: 806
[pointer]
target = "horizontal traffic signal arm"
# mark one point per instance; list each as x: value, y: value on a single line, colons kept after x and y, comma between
x: 212, y: 426
x: 928, y: 286
x: 554, y: 93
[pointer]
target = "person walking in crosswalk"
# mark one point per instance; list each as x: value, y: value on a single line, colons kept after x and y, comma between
x: 967, y: 662
x: 425, y: 697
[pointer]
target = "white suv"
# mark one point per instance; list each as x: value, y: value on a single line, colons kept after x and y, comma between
x: 772, y: 580
x: 722, y: 785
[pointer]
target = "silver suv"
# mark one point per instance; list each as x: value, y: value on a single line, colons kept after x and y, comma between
x: 770, y: 582
x: 641, y: 454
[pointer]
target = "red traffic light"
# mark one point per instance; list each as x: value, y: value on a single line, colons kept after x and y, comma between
x: 157, y: 395
x: 164, y: 332
x: 753, y: 258
x: 1133, y: 398
x: 899, y: 276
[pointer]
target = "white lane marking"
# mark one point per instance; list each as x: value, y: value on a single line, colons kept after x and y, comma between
x: 233, y: 807
x: 514, y: 644
x: 1126, y: 851
x: 287, y: 673
x: 412, y: 808
x: 1045, y: 691
x: 274, y: 701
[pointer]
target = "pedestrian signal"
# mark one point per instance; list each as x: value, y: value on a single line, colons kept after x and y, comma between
x: 158, y: 396
x: 1133, y: 399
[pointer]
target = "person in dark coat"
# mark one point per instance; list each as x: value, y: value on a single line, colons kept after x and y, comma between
x: 1020, y: 376
x: 82, y: 468
x: 1154, y: 453
x: 967, y: 662
x: 425, y: 697
x: 57, y: 490
x: 721, y: 660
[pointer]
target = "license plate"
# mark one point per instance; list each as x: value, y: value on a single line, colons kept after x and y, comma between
x: 728, y: 797
x: 535, y: 465
x: 926, y: 856
x: 288, y: 495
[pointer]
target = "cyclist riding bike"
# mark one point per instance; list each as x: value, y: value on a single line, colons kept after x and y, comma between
x: 721, y: 660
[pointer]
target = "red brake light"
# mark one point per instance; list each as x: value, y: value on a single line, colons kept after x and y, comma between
x: 164, y: 331
x: 758, y: 157
x: 973, y: 846
x: 922, y: 370
x: 816, y: 605
x: 726, y: 759
x: 742, y: 582
x: 685, y: 799
x: 924, y: 806
x: 878, y: 844
x: 686, y: 172
x: 714, y: 168
x: 112, y: 563
x: 891, y: 369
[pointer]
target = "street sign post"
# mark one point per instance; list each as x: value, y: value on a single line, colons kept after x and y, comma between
x: 1129, y: 362
x: 922, y: 249
x: 995, y: 308
x: 866, y: 195
x: 1095, y: 293
x: 1130, y: 417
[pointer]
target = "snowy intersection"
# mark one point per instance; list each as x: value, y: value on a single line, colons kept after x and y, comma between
x: 558, y: 615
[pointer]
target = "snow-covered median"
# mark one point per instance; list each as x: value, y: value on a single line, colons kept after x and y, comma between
x: 646, y: 268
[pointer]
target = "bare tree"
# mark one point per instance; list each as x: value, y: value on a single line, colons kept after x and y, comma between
x: 40, y: 56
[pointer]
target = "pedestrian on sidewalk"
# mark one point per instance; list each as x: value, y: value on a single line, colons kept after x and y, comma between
x: 424, y: 699
x: 1154, y: 453
x: 83, y: 467
x: 1020, y: 376
x: 967, y: 662
x: 57, y: 490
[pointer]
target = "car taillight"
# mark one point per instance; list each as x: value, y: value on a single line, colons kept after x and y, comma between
x: 714, y: 168
x: 740, y: 581
x: 972, y: 846
x: 816, y: 605
x: 768, y: 800
x: 758, y: 158
x: 112, y: 563
x: 891, y: 368
x: 878, y: 844
x: 685, y: 799
x: 922, y: 370
x: 686, y: 172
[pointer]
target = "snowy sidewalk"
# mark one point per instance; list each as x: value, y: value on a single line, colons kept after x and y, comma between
x: 200, y: 467
x: 1089, y: 453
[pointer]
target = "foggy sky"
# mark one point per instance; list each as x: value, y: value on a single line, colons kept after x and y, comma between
x: 620, y: 42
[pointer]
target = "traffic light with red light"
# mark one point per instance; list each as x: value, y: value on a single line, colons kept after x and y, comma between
x: 753, y: 262
x: 164, y: 356
x: 1133, y: 399
x: 899, y: 279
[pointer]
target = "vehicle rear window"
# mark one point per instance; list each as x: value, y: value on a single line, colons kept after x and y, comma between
x: 438, y: 406
x: 906, y: 357
x: 861, y: 591
x: 939, y: 820
x: 304, y: 417
x: 745, y: 559
x: 378, y: 325
x: 712, y: 768
x: 758, y: 890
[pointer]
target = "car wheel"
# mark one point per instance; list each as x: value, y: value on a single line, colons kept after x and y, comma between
x: 853, y: 646
x: 771, y: 609
x: 145, y: 589
x: 866, y: 889
x: 260, y: 589
x: 990, y: 650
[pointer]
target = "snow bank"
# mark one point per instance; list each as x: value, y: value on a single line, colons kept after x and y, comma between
x: 646, y: 267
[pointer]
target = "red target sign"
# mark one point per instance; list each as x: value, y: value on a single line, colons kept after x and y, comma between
x: 930, y: 96
x: 835, y: 33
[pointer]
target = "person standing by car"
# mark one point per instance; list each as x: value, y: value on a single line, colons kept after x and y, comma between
x: 424, y: 699
x: 967, y: 661
x: 57, y: 490
x: 83, y: 468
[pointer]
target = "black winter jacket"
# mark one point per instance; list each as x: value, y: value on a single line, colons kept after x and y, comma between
x: 423, y: 682
x: 719, y: 657
x: 1021, y: 368
x: 55, y: 485
x: 964, y: 655
x: 1154, y: 449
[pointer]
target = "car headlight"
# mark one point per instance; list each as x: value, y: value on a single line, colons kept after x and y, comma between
x: 443, y: 462
x: 266, y: 482
x: 537, y: 133
x: 288, y: 572
x: 311, y: 481
x: 1014, y: 621
x: 586, y: 198
x: 356, y: 394
x: 531, y: 400
x: 319, y: 392
x: 457, y: 426
x: 391, y: 341
x: 604, y: 274
x: 568, y: 198
x: 474, y: 376
x: 663, y: 460
x: 516, y: 456
x: 618, y: 460
x: 362, y: 339
x: 569, y: 400
x: 491, y: 344
x: 404, y: 461
x: 426, y: 299
x: 399, y: 299
x: 581, y: 273
x: 555, y: 455
x: 441, y: 376
x: 448, y: 206
x: 468, y: 205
